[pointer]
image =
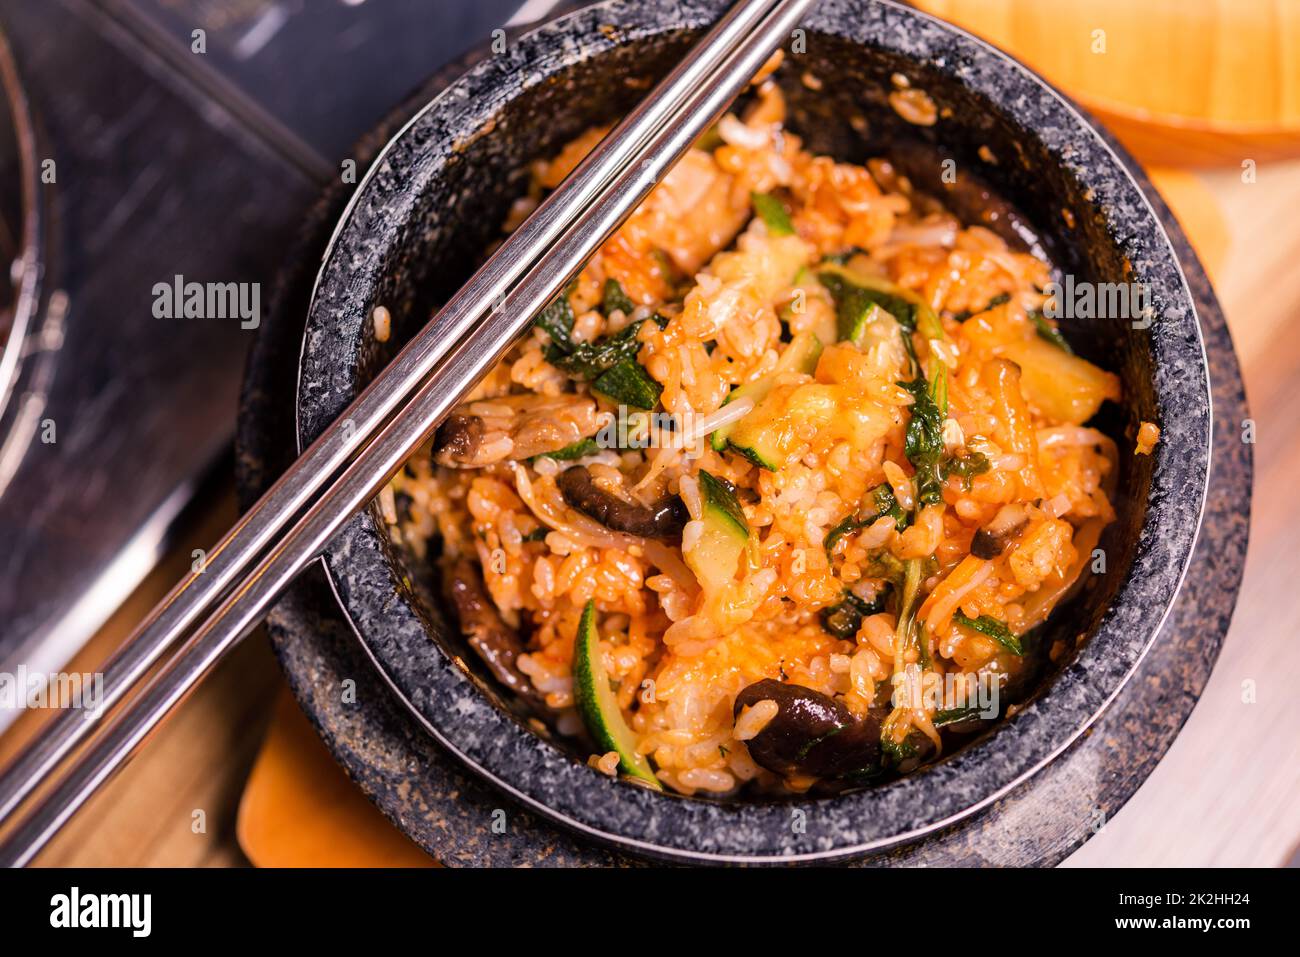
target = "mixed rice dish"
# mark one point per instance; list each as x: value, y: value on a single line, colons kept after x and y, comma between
x: 795, y: 449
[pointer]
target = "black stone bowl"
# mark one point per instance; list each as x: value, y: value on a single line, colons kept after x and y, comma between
x: 435, y: 199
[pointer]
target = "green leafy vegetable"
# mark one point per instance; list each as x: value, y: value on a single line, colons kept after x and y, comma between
x: 898, y: 751
x: 847, y: 527
x: 939, y: 390
x: 909, y: 634
x: 1000, y: 300
x: 844, y: 620
x: 613, y: 297
x: 557, y: 320
x: 992, y: 628
x: 886, y: 566
x: 842, y: 258
x: 883, y: 503
x: 588, y: 360
x: 882, y: 496
x: 965, y: 465
x: 609, y: 364
x: 941, y: 719
x: 1049, y: 332
x: 923, y: 443
x: 773, y: 214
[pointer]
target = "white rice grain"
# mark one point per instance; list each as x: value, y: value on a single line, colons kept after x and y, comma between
x: 755, y: 718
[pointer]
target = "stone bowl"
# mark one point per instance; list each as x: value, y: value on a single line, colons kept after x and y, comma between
x: 433, y: 202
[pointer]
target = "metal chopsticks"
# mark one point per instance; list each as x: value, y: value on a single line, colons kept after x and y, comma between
x: 257, y: 530
x: 388, y: 422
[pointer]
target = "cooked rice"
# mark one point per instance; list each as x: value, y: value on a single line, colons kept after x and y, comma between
x: 678, y: 655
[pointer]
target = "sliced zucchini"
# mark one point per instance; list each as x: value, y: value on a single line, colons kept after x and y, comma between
x: 855, y: 293
x: 824, y: 325
x: 762, y: 435
x: 769, y: 435
x: 627, y: 383
x: 598, y: 706
x: 773, y: 214
x: 715, y: 555
x: 575, y: 450
x: 800, y: 356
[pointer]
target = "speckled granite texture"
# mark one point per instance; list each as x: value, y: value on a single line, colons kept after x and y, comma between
x: 385, y: 254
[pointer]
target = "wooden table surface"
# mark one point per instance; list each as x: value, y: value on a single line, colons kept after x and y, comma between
x: 1228, y: 793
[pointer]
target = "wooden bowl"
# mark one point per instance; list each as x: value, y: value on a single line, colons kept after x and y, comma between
x: 1188, y: 82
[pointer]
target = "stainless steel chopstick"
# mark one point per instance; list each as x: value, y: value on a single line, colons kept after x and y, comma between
x: 254, y: 533
x: 363, y: 478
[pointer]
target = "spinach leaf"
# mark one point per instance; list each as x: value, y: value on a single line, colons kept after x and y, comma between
x: 842, y: 258
x: 844, y: 620
x: 1000, y: 300
x: 908, y: 634
x: 967, y: 465
x: 1049, y: 332
x: 589, y: 360
x: 557, y: 320
x: 898, y: 751
x: 941, y: 719
x: 847, y: 527
x: 923, y: 443
x: 883, y: 503
x: 992, y: 628
x: 613, y: 297
x: 886, y: 566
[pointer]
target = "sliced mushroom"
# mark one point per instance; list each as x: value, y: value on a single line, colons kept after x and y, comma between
x: 491, y: 638
x: 811, y: 733
x: 663, y: 520
x: 488, y: 431
x: 992, y: 540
